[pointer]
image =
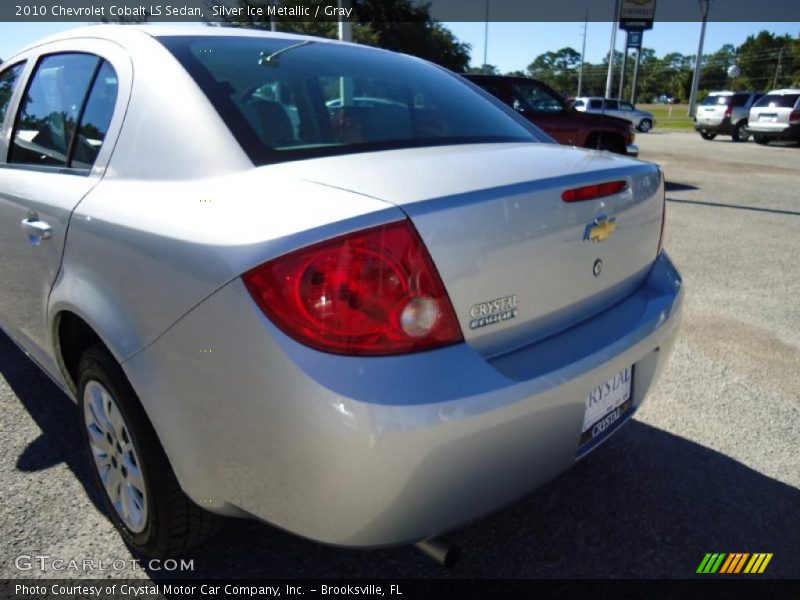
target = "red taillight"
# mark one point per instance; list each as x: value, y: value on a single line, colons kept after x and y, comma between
x: 794, y: 117
x: 375, y: 291
x: 729, y: 111
x: 590, y: 192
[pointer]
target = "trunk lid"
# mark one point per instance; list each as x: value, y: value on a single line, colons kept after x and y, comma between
x: 515, y: 258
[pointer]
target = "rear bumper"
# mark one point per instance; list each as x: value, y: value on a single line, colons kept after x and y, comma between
x: 724, y: 126
x: 776, y: 131
x: 382, y: 451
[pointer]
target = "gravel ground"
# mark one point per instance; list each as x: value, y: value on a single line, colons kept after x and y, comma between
x: 710, y: 464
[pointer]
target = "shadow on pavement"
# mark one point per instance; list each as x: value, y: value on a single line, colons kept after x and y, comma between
x: 53, y: 412
x: 672, y: 186
x: 777, y: 211
x: 646, y: 504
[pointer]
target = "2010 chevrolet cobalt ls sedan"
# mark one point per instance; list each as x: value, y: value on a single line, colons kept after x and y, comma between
x: 366, y: 322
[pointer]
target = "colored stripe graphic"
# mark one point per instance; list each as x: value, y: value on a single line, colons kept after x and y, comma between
x: 711, y: 563
x: 740, y: 564
x: 727, y: 564
x: 733, y: 563
x: 758, y: 563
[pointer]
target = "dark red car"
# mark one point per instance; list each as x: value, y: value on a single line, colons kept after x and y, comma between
x: 550, y: 111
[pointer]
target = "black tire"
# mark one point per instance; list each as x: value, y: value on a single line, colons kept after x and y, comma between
x: 645, y: 125
x: 173, y: 523
x: 707, y: 135
x: 740, y: 132
x: 760, y: 139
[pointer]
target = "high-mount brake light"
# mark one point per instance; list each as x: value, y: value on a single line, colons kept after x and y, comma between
x: 591, y: 192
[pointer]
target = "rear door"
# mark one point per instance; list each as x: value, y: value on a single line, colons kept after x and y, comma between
x: 595, y: 106
x: 59, y: 134
x: 546, y: 109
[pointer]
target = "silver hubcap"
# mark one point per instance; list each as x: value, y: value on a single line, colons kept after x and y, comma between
x: 114, y: 456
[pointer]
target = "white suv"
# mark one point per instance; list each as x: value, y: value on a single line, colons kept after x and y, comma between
x: 776, y: 117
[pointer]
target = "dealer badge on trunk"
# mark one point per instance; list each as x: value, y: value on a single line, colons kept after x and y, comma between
x: 493, y: 311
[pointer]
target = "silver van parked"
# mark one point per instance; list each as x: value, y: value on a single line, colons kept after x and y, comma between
x: 725, y: 113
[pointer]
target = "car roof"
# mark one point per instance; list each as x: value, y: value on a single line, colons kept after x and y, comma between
x: 785, y: 91
x: 122, y: 33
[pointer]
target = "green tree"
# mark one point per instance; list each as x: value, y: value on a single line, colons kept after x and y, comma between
x: 399, y: 25
x: 763, y: 56
x: 557, y: 69
x: 487, y: 69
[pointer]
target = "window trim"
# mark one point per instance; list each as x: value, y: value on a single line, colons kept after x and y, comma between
x: 65, y: 169
x: 11, y: 111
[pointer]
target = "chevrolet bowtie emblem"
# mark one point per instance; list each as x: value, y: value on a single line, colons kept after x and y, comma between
x: 600, y: 229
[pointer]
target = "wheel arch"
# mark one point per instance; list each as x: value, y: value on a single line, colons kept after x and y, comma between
x: 72, y: 336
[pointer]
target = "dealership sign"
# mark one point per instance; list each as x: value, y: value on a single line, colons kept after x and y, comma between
x: 637, y: 15
x: 634, y: 38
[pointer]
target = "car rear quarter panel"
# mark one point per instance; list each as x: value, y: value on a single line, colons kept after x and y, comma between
x: 181, y: 210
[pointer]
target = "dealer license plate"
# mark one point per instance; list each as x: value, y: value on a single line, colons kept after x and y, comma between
x: 606, y: 405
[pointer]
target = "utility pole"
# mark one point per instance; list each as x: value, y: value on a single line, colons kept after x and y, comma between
x: 635, y: 74
x: 698, y: 61
x: 777, y: 70
x: 610, y: 77
x: 583, y: 52
x: 345, y: 26
x: 486, y: 40
x: 624, y: 67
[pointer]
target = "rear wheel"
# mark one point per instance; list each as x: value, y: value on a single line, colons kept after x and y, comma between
x: 645, y: 125
x: 741, y: 133
x: 140, y: 490
x: 760, y: 139
x: 707, y: 135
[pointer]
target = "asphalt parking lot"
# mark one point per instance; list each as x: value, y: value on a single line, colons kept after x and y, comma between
x: 710, y: 464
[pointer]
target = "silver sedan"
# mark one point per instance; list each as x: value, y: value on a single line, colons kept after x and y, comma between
x: 364, y: 323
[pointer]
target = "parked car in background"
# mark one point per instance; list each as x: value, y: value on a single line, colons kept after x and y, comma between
x: 665, y: 99
x: 725, y: 113
x: 641, y: 119
x: 776, y: 116
x: 548, y: 109
x: 367, y: 330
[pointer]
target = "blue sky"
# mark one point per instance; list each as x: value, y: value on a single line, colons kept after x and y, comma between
x: 514, y: 45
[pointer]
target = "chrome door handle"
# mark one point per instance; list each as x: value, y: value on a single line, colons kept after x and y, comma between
x: 36, y: 230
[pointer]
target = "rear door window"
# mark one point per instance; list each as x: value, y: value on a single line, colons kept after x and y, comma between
x: 611, y: 105
x: 95, y: 119
x: 778, y: 100
x: 740, y: 100
x: 8, y: 80
x: 716, y: 101
x: 537, y: 98
x: 50, y: 113
x: 596, y: 104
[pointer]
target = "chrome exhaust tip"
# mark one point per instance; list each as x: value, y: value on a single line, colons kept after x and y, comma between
x: 440, y: 550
